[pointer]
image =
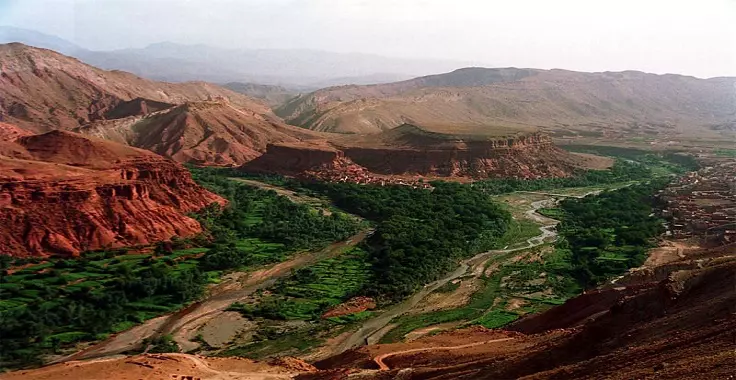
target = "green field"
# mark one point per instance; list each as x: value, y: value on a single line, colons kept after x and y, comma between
x: 304, y: 296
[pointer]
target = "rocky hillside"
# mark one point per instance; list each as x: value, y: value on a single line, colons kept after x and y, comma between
x: 62, y: 193
x: 613, y: 104
x: 41, y: 90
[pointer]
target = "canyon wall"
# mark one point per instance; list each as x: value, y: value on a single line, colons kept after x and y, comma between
x: 293, y: 159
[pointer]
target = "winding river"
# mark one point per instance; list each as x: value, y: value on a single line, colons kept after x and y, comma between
x: 372, y: 331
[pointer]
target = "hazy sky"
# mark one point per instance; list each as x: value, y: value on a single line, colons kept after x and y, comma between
x: 695, y: 37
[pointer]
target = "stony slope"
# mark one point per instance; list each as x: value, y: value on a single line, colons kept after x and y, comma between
x: 62, y: 193
x: 41, y: 90
x: 613, y: 104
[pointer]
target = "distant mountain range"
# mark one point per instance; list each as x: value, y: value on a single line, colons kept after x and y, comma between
x: 299, y: 70
x: 566, y: 104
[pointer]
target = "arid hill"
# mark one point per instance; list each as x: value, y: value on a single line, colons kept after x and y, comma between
x: 207, y: 133
x: 168, y: 366
x: 41, y: 90
x: 564, y: 103
x: 62, y: 193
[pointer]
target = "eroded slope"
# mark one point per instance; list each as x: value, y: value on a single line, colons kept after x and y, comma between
x: 63, y: 193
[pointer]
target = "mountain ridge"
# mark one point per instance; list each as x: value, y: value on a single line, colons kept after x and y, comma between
x: 558, y: 101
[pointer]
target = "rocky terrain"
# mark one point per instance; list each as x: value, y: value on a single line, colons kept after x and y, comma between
x: 188, y: 122
x: 169, y: 366
x: 564, y: 103
x: 209, y: 125
x: 62, y: 193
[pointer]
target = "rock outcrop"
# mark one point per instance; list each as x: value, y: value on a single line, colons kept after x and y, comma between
x: 293, y: 159
x: 63, y: 193
x: 411, y: 151
x: 524, y: 156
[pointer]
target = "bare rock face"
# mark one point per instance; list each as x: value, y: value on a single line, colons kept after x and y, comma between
x: 293, y: 159
x: 76, y: 194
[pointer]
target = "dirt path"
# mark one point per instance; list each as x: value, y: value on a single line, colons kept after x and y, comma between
x: 203, y: 366
x: 384, y: 367
x: 184, y: 328
x: 183, y: 325
x: 170, y: 366
x: 373, y: 330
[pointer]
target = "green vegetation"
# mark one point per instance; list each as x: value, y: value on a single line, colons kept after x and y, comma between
x: 600, y: 237
x: 161, y: 345
x: 725, y: 152
x: 304, y: 296
x: 56, y: 306
x: 609, y: 233
x: 518, y: 232
x: 310, y: 291
x: 53, y: 305
x: 420, y: 235
x: 630, y: 165
x: 512, y: 279
x: 669, y: 161
x: 264, y: 214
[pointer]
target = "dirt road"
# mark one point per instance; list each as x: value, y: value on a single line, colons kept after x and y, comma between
x: 384, y: 367
x: 183, y: 325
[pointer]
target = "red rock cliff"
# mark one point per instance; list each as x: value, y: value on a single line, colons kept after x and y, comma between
x: 293, y: 159
x: 76, y: 194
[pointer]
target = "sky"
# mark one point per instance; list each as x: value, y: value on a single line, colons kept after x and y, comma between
x: 660, y: 36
